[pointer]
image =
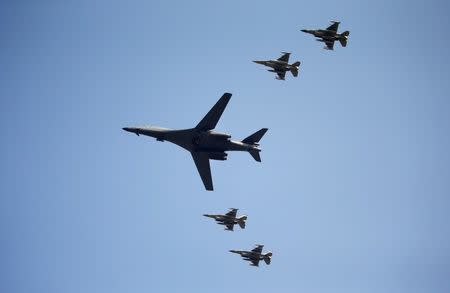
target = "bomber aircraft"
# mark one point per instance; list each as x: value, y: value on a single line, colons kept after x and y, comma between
x: 329, y: 35
x: 203, y: 143
x: 281, y: 65
x: 229, y: 219
x: 255, y: 255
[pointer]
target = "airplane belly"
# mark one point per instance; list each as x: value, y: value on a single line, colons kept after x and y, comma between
x: 211, y: 142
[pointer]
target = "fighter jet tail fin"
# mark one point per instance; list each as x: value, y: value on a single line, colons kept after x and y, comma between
x: 241, y: 221
x: 268, y: 257
x: 255, y: 155
x: 255, y: 137
x: 343, y: 41
x: 294, y: 70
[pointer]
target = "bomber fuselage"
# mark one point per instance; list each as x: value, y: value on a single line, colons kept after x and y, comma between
x: 195, y: 140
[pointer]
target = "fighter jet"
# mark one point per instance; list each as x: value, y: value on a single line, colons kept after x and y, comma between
x: 255, y: 255
x: 229, y: 219
x: 203, y: 143
x: 330, y: 35
x: 281, y: 65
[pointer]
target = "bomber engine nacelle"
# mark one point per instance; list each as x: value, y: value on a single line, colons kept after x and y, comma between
x: 219, y: 156
x: 220, y: 134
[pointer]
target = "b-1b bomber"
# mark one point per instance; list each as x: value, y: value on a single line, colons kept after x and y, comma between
x: 329, y: 35
x: 229, y: 219
x: 255, y: 255
x: 203, y: 143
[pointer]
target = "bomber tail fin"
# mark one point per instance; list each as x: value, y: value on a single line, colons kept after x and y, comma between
x: 253, y: 140
x: 255, y: 155
x: 255, y: 137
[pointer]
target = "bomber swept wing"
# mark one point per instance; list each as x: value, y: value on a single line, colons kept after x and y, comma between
x: 204, y: 170
x: 207, y: 123
x: 212, y: 117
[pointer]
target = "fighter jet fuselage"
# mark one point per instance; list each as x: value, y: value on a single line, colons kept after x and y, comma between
x: 229, y: 219
x: 329, y: 35
x: 281, y: 66
x: 254, y: 256
x: 326, y: 35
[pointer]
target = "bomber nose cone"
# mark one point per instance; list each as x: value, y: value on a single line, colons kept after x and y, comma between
x: 132, y: 130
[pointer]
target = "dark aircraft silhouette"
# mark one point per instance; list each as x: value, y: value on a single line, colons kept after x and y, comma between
x: 281, y: 65
x: 330, y: 35
x: 203, y: 143
x: 255, y: 255
x: 229, y: 219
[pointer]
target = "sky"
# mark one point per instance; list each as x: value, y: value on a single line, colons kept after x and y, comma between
x: 352, y: 194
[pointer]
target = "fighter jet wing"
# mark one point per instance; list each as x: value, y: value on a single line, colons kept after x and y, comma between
x: 229, y: 227
x: 333, y: 27
x: 258, y: 249
x: 255, y: 262
x: 232, y: 213
x: 202, y: 163
x: 210, y: 120
x: 284, y: 57
x: 281, y: 74
x: 329, y: 45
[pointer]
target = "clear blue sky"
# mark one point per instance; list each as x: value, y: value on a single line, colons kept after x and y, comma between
x: 353, y: 191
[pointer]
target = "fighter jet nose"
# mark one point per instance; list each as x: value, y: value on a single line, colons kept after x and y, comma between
x: 305, y: 31
x: 126, y: 129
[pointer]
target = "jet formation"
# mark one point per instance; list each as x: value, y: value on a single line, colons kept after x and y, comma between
x: 281, y: 65
x: 203, y: 143
x: 229, y: 219
x: 329, y: 35
x: 255, y: 255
